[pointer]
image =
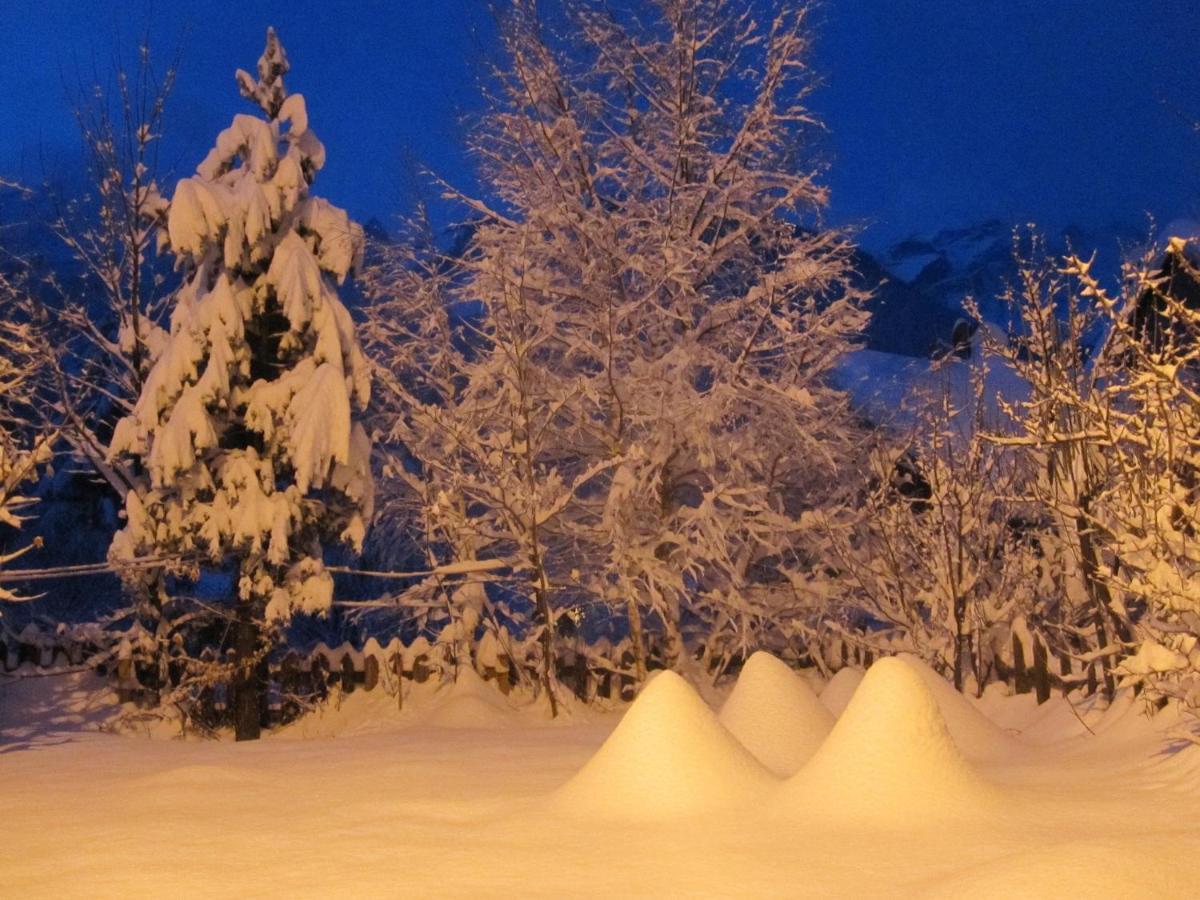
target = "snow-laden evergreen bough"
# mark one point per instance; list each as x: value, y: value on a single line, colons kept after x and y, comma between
x: 246, y: 426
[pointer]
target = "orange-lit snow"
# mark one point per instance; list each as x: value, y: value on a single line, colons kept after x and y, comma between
x: 775, y: 714
x: 366, y: 800
x: 668, y: 757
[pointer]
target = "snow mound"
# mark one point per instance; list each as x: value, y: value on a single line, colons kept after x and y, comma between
x: 975, y: 734
x: 775, y: 714
x: 345, y: 715
x: 470, y: 703
x: 889, y: 760
x: 668, y: 757
x: 840, y: 689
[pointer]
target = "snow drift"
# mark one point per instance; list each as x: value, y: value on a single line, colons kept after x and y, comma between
x: 889, y: 760
x: 668, y: 757
x: 775, y: 714
x: 470, y: 703
x: 840, y: 689
x: 974, y: 734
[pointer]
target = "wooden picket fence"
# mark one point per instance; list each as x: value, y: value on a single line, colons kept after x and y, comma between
x: 601, y: 671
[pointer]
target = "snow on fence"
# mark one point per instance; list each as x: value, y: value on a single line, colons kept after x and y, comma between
x: 601, y: 670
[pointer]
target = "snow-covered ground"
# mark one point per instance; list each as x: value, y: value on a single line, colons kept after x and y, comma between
x: 912, y: 791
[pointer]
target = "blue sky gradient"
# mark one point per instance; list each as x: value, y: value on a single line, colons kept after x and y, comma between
x: 940, y: 112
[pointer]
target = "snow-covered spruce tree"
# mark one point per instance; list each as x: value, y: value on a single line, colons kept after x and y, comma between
x: 246, y: 427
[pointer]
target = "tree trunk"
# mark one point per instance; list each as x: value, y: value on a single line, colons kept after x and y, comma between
x: 635, y: 637
x: 1099, y: 594
x: 960, y: 616
x: 547, y: 640
x: 246, y: 712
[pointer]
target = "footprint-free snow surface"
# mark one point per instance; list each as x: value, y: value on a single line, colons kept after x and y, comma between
x: 669, y: 756
x: 889, y: 759
x: 775, y: 714
x: 841, y: 687
x: 376, y: 801
x: 974, y: 734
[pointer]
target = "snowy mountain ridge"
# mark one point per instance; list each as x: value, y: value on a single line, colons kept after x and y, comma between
x: 920, y: 282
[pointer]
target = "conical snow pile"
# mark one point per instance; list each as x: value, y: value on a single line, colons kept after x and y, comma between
x: 977, y: 736
x: 470, y: 703
x: 841, y: 687
x: 775, y: 715
x: 889, y: 759
x: 668, y: 757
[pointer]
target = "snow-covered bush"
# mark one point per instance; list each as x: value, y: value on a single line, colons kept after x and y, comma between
x: 246, y: 425
x: 1149, y: 405
x: 937, y: 556
x: 1108, y: 436
x: 23, y: 445
x: 105, y: 317
x: 1060, y: 432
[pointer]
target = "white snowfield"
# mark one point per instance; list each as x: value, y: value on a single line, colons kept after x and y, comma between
x: 914, y: 791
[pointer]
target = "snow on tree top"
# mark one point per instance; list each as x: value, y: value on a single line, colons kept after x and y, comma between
x: 251, y: 404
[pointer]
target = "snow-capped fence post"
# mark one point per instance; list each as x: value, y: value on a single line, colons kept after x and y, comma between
x: 1020, y: 673
x: 498, y: 673
x: 370, y: 672
x: 1064, y: 668
x: 420, y: 669
x: 628, y: 687
x: 74, y: 651
x: 348, y: 673
x: 27, y: 645
x: 396, y: 664
x: 318, y: 673
x: 289, y: 676
x: 575, y: 665
x: 1041, y: 674
x: 274, y: 700
x: 127, y: 684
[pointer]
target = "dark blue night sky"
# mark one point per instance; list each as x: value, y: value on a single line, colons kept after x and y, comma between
x: 941, y: 112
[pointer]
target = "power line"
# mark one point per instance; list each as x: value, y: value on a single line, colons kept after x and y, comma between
x: 469, y: 567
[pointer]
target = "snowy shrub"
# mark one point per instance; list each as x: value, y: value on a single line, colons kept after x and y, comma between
x: 22, y: 447
x: 932, y: 558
